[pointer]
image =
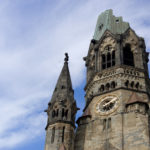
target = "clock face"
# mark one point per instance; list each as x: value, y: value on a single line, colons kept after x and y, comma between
x: 107, y: 105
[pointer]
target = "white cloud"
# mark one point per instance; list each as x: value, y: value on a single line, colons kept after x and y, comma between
x: 33, y: 38
x: 27, y: 132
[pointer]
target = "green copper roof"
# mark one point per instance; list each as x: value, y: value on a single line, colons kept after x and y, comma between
x: 107, y: 21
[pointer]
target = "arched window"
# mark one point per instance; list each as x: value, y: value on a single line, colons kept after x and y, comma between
x: 107, y: 86
x: 137, y: 85
x: 113, y: 85
x: 103, y: 62
x: 128, y: 55
x: 53, y: 113
x: 102, y: 88
x: 53, y: 135
x: 108, y: 59
x: 127, y: 83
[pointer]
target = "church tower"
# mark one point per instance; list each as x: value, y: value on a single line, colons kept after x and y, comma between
x: 116, y: 115
x: 61, y: 114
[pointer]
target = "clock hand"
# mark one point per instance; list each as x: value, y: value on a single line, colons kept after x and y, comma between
x: 111, y: 101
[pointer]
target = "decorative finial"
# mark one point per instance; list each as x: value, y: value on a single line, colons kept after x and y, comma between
x: 66, y: 57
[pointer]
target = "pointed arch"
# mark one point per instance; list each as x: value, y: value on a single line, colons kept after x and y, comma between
x: 128, y: 58
x: 108, y: 57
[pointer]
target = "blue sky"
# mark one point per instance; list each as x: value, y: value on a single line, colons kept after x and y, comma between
x: 34, y: 35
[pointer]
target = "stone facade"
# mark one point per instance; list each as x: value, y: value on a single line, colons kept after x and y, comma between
x: 116, y: 115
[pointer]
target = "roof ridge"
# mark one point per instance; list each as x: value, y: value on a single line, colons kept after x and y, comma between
x: 134, y: 98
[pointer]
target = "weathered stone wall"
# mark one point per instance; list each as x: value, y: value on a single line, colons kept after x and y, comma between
x: 126, y: 130
x: 56, y: 144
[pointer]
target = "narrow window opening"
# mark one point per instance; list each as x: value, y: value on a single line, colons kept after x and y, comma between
x: 63, y: 134
x: 62, y: 87
x: 108, y: 57
x: 128, y: 55
x: 102, y: 88
x: 53, y: 135
x: 72, y: 117
x: 104, y: 66
x: 137, y: 85
x: 132, y: 84
x: 108, y: 64
x: 117, y: 20
x: 63, y: 112
x: 109, y: 123
x: 57, y: 112
x: 107, y: 86
x: 113, y: 85
x: 66, y: 113
x: 103, y: 58
x: 103, y: 61
x: 53, y: 113
x: 113, y: 58
x: 127, y: 83
x: 108, y: 60
x: 104, y: 124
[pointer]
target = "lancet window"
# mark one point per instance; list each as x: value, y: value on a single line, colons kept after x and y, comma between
x: 53, y: 135
x: 128, y: 58
x: 108, y: 57
x: 63, y: 134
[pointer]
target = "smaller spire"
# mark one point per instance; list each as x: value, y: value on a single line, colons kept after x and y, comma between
x: 64, y: 84
x: 62, y: 106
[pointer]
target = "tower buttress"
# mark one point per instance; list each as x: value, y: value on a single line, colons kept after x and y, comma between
x: 61, y: 113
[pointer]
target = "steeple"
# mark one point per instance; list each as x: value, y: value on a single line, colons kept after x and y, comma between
x: 63, y: 87
x: 63, y: 105
x: 61, y: 113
